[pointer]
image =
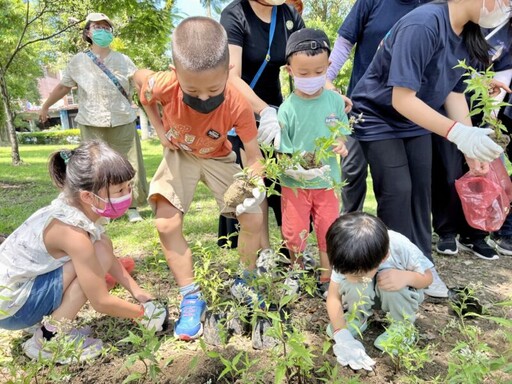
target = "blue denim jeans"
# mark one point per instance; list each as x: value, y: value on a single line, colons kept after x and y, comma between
x: 45, y: 297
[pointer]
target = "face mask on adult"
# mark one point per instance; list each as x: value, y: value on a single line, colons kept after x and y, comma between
x: 102, y: 37
x: 115, y: 207
x: 275, y: 2
x: 309, y: 85
x: 203, y: 106
x: 491, y: 19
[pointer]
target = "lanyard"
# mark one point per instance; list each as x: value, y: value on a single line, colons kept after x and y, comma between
x: 267, y: 56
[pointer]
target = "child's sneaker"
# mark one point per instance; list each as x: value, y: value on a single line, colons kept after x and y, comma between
x: 438, y: 288
x: 189, y: 325
x: 133, y: 215
x: 85, y: 348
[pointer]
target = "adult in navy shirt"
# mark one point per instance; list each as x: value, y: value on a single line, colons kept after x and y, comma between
x: 247, y: 23
x: 410, y: 78
x: 365, y: 26
x: 448, y: 164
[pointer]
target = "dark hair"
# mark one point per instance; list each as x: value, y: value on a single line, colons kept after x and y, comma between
x: 90, y: 167
x: 199, y: 44
x: 85, y: 31
x: 476, y: 44
x: 308, y: 52
x: 357, y: 242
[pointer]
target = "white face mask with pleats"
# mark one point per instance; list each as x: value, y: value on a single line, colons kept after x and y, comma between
x: 491, y: 19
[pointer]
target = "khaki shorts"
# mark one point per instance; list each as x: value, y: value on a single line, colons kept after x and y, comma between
x: 179, y: 172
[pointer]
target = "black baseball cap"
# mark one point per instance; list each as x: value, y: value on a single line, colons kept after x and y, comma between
x: 307, y: 39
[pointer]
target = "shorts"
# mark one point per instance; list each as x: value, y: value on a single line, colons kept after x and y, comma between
x: 44, y: 298
x: 179, y: 172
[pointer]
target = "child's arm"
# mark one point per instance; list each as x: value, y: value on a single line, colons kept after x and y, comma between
x: 395, y: 279
x: 348, y: 350
x: 119, y: 273
x: 335, y: 307
x: 254, y: 158
x: 139, y: 78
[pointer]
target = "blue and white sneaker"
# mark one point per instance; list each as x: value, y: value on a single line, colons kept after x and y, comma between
x: 189, y: 326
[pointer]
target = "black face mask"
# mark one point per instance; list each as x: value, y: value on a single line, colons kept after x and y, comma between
x: 203, y: 106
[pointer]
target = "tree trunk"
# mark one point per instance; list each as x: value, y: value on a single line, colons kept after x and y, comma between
x: 9, y: 121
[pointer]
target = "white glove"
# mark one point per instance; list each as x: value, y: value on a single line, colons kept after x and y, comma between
x: 155, y: 315
x: 269, y: 128
x: 351, y: 352
x: 474, y: 142
x: 252, y: 204
x: 308, y: 174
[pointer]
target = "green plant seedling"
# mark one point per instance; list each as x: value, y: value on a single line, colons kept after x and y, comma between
x: 481, y: 102
x: 402, y: 347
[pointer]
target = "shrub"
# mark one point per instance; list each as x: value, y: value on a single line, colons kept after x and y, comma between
x: 68, y: 136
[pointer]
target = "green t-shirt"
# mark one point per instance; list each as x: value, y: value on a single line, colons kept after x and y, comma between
x: 302, y: 122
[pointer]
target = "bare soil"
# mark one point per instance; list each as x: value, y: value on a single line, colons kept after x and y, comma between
x: 189, y: 364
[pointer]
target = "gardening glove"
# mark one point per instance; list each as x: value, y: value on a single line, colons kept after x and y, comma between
x: 307, y: 174
x: 252, y: 204
x: 155, y: 315
x: 351, y: 352
x: 269, y: 128
x: 474, y: 142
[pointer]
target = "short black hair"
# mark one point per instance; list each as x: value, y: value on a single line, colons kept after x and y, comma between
x: 199, y: 44
x: 357, y: 242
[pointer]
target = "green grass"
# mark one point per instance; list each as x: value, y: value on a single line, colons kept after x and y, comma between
x: 26, y: 188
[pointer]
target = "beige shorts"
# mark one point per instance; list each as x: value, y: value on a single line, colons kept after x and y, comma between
x: 179, y: 172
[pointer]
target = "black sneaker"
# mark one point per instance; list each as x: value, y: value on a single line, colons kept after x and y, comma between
x: 447, y: 245
x: 478, y: 247
x: 503, y: 244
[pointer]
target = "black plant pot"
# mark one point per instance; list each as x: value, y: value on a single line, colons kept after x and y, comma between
x: 215, y: 331
x: 468, y: 305
x: 260, y: 339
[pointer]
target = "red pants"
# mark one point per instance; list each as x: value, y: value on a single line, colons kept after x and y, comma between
x: 297, y: 207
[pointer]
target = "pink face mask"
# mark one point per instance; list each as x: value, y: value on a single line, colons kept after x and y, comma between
x: 115, y: 207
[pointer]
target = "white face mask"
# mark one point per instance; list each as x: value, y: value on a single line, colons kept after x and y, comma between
x: 275, y: 2
x: 309, y: 85
x: 491, y: 19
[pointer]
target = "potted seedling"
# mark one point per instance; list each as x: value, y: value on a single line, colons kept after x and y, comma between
x: 478, y: 83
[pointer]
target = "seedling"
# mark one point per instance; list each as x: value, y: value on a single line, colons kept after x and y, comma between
x: 402, y: 346
x: 481, y: 102
x: 241, y: 189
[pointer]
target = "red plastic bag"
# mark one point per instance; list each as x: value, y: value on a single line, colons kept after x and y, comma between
x: 486, y: 199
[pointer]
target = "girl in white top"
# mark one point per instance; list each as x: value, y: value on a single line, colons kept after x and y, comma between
x: 57, y: 259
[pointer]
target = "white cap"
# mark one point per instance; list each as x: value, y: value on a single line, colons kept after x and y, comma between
x: 98, y: 17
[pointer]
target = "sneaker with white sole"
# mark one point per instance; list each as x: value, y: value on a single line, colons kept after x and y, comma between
x: 502, y: 244
x: 447, y: 245
x: 478, y: 247
x: 246, y: 294
x: 190, y: 323
x: 133, y: 215
x: 70, y: 347
x: 438, y: 288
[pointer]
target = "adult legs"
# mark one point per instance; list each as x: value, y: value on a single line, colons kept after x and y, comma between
x: 354, y: 170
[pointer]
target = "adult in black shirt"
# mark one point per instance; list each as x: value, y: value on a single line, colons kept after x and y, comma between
x: 247, y: 23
